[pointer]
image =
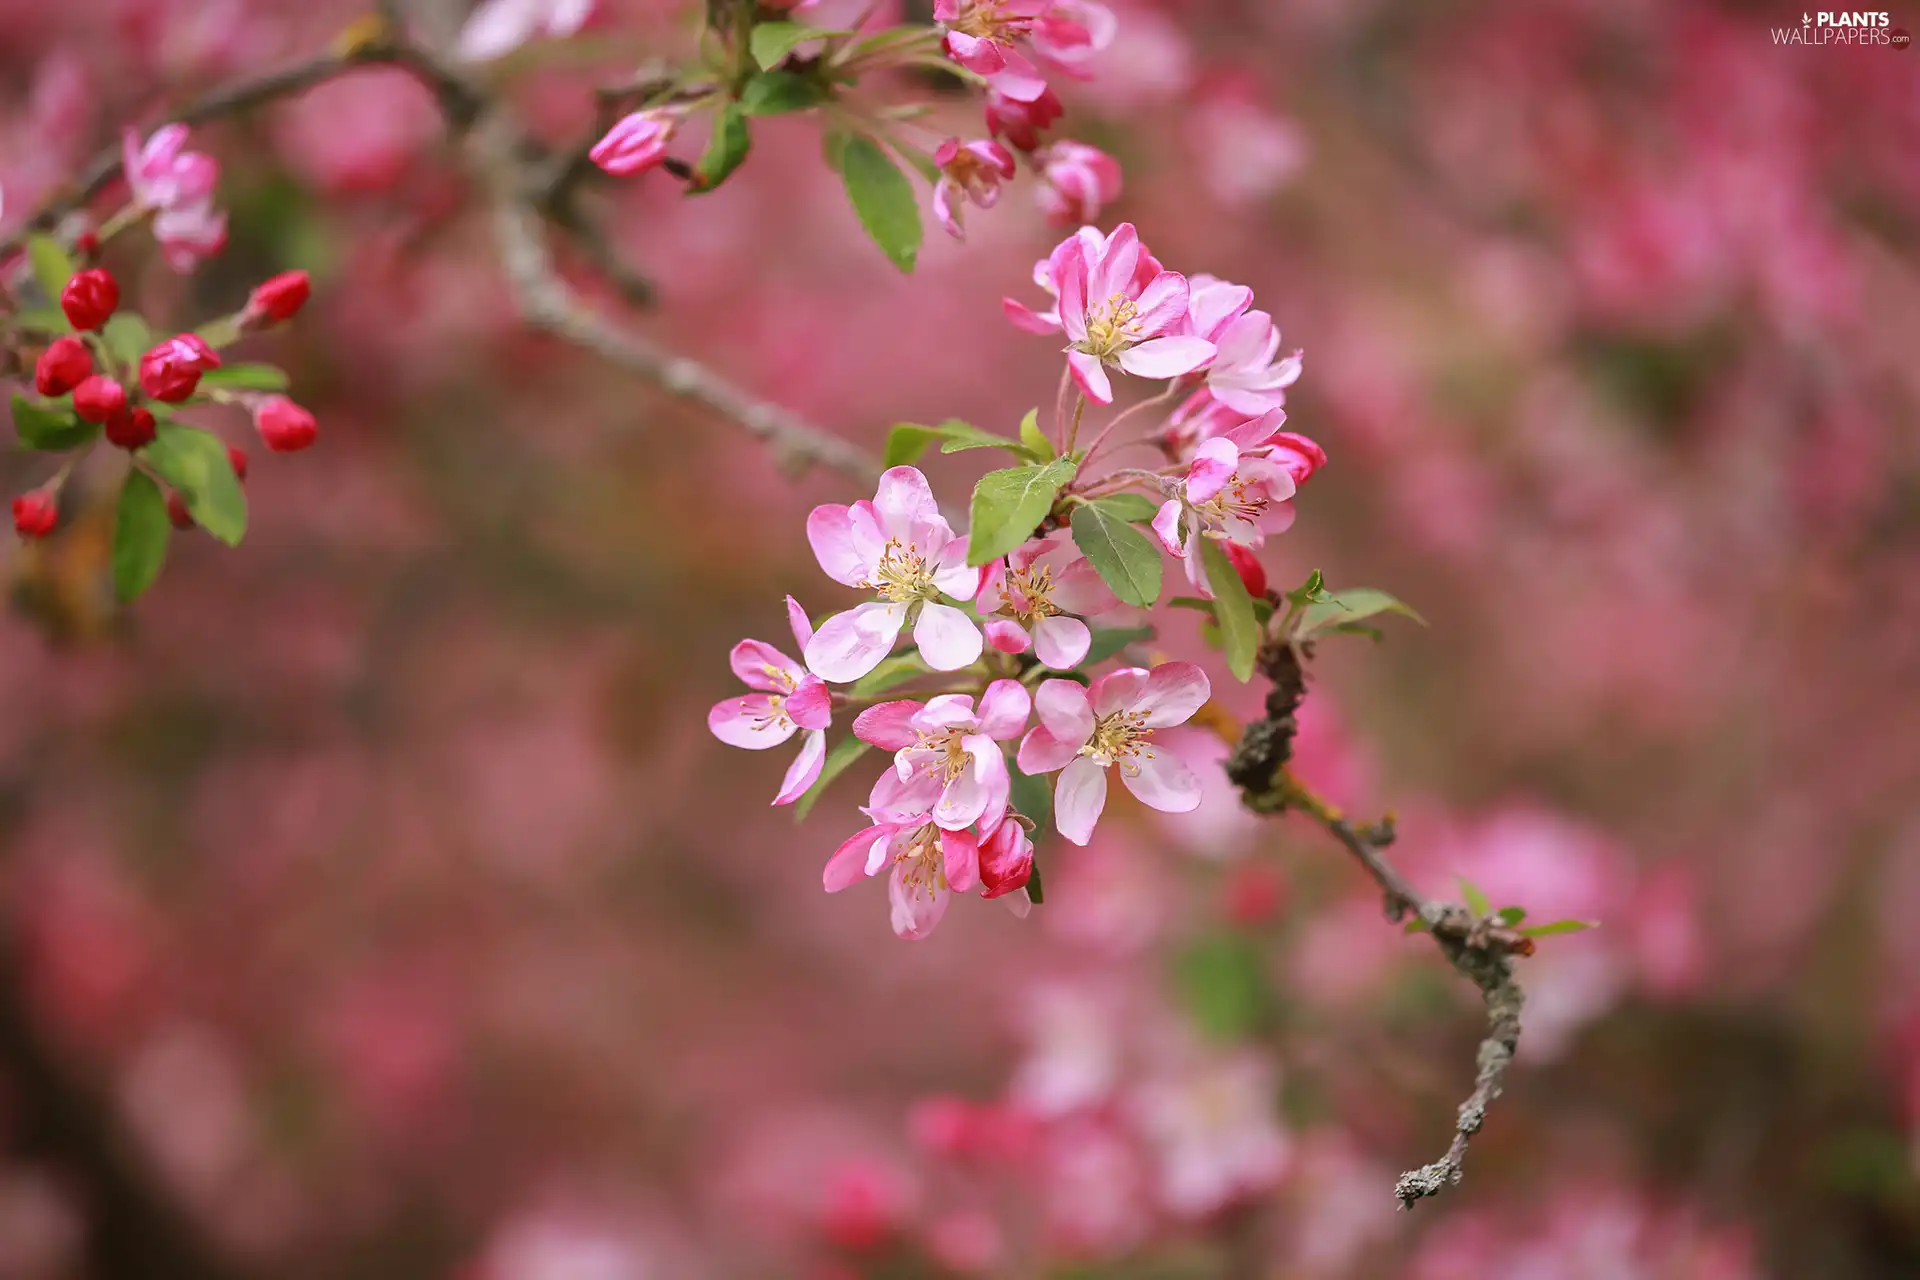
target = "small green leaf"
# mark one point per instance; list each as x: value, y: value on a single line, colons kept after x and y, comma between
x: 1233, y: 608
x: 962, y: 436
x: 1009, y: 505
x: 1108, y: 641
x: 246, y: 377
x: 1476, y: 900
x: 1032, y: 795
x: 1036, y: 891
x: 140, y: 533
x: 42, y: 320
x: 775, y: 93
x: 1313, y: 589
x: 884, y: 199
x: 1134, y: 508
x: 891, y: 673
x: 1351, y: 606
x: 772, y: 41
x: 1224, y: 985
x: 726, y: 151
x: 127, y: 337
x: 844, y: 753
x: 52, y: 268
x: 1035, y: 439
x: 1123, y: 557
x: 49, y: 429
x: 196, y: 463
x: 1510, y: 916
x: 1559, y: 926
x: 908, y: 440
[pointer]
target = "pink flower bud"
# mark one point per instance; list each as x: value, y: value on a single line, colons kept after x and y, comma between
x: 99, y: 399
x: 283, y: 425
x: 35, y: 513
x: 1020, y: 123
x: 131, y: 428
x: 635, y: 144
x: 90, y: 298
x: 171, y: 371
x: 279, y: 299
x: 62, y: 367
x: 1006, y: 860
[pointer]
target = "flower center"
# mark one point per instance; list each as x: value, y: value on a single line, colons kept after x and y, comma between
x: 1118, y: 738
x: 903, y: 574
x: 1112, y: 327
x: 926, y: 866
x: 1029, y: 595
x: 987, y: 20
x: 775, y: 715
x: 952, y: 759
x: 1235, y: 500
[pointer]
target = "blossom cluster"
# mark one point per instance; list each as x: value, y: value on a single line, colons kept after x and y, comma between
x: 997, y: 619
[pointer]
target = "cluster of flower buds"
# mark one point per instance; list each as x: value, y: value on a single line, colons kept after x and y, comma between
x: 997, y: 619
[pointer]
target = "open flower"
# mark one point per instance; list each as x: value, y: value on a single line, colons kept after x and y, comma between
x: 1076, y: 182
x: 1071, y: 33
x: 1085, y: 731
x: 968, y: 171
x: 1244, y: 375
x: 901, y: 548
x: 1050, y: 270
x: 177, y: 185
x: 1235, y: 489
x: 787, y: 699
x: 929, y: 863
x: 984, y: 37
x: 1111, y: 320
x: 951, y: 751
x: 1026, y: 599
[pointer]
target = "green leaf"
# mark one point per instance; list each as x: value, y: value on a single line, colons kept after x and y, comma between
x: 140, y: 533
x: 891, y: 673
x: 1108, y: 641
x: 1314, y: 588
x: 1031, y: 794
x: 50, y: 429
x: 1134, y: 508
x: 246, y: 377
x: 908, y: 440
x: 844, y: 753
x: 1351, y: 606
x: 52, y: 268
x: 1476, y: 900
x: 726, y: 151
x: 1035, y: 439
x: 962, y: 436
x: 127, y: 337
x: 1036, y: 891
x: 196, y: 463
x: 1559, y: 926
x: 884, y: 199
x: 42, y: 320
x: 1510, y: 916
x: 917, y: 160
x: 1123, y: 557
x: 772, y: 41
x: 1009, y: 505
x: 775, y: 93
x: 1223, y: 984
x: 1233, y: 608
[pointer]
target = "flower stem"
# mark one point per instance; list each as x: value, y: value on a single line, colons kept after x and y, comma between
x: 1124, y: 414
x: 1073, y: 430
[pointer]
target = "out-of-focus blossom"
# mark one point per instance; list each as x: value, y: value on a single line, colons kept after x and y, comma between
x: 1111, y: 320
x: 1215, y: 1136
x: 968, y: 171
x: 284, y: 427
x: 1085, y: 731
x: 177, y: 185
x: 1028, y: 597
x: 1072, y: 33
x: 1245, y: 151
x: 498, y: 27
x: 636, y: 143
x: 984, y: 37
x: 171, y: 371
x: 99, y: 398
x: 278, y: 300
x: 1021, y: 123
x: 946, y: 742
x: 90, y: 299
x: 62, y: 366
x: 901, y: 548
x: 1076, y: 182
x: 787, y: 699
x: 36, y: 513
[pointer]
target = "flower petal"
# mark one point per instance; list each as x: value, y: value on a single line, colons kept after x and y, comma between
x: 1162, y: 780
x: 1006, y: 860
x: 1007, y: 636
x: 916, y: 905
x: 751, y: 722
x: 1061, y: 642
x: 1173, y: 692
x: 1111, y: 272
x: 903, y: 501
x: 1166, y: 527
x: 799, y: 623
x: 1213, y: 465
x: 761, y: 666
x: 1004, y: 709
x: 1087, y: 371
x: 960, y: 859
x: 1064, y: 710
x: 948, y: 638
x: 811, y: 705
x: 805, y: 769
x: 1166, y: 357
x: 1025, y: 317
x: 887, y: 725
x: 1078, y: 799
x: 830, y: 534
x: 1163, y: 305
x: 1041, y: 752
x: 855, y: 642
x: 1118, y: 690
x: 851, y: 862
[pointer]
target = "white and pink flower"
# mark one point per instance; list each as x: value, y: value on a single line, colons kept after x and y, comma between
x: 929, y: 862
x: 984, y: 36
x: 1050, y: 270
x: 787, y: 699
x: 177, y: 186
x: 1235, y: 489
x: 947, y: 754
x: 1111, y: 320
x: 1028, y: 597
x: 498, y: 27
x: 968, y: 171
x: 1085, y: 731
x: 1072, y: 33
x: 902, y: 549
x: 1244, y: 375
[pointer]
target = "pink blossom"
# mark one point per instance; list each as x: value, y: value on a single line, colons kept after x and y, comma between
x: 1236, y: 490
x: 1085, y: 731
x: 1111, y: 320
x: 635, y: 144
x: 1006, y: 864
x: 1214, y: 1133
x: 929, y: 862
x: 786, y: 699
x: 968, y: 171
x: 1244, y: 375
x: 1050, y: 270
x: 1213, y: 304
x: 498, y: 27
x: 944, y: 748
x: 982, y: 36
x: 178, y: 186
x: 1021, y: 123
x: 1077, y: 181
x: 1071, y: 33
x: 901, y: 548
x: 1028, y: 596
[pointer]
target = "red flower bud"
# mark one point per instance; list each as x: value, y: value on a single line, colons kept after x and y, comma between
x: 284, y: 425
x: 177, y: 511
x: 62, y: 367
x: 35, y: 514
x: 237, y: 457
x: 171, y: 371
x: 1248, y: 565
x: 87, y: 244
x: 99, y: 399
x: 278, y: 299
x: 131, y: 429
x: 89, y: 298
